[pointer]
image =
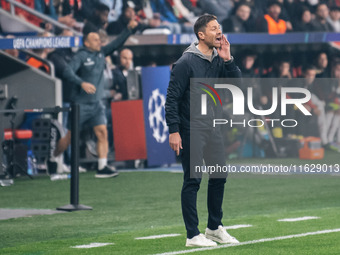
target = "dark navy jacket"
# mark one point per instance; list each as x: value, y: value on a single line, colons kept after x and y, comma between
x: 192, y: 64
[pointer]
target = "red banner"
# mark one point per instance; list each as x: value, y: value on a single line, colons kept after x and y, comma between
x: 128, y: 130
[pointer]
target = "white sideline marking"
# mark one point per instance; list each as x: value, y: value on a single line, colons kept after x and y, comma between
x: 252, y: 242
x: 91, y: 245
x: 238, y: 226
x: 157, y: 236
x: 300, y: 219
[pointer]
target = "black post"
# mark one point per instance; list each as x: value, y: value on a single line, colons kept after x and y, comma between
x: 74, y: 206
x: 75, y: 154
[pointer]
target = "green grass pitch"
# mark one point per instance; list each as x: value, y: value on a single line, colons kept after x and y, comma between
x: 139, y: 204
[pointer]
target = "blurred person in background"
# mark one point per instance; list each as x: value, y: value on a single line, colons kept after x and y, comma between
x: 116, y: 8
x: 320, y: 24
x: 334, y: 18
x: 74, y: 8
x: 120, y: 90
x: 238, y: 23
x: 271, y: 22
x: 60, y: 59
x: 193, y: 6
x: 163, y: 9
x: 247, y: 65
x: 47, y: 7
x: 220, y: 8
x: 303, y: 20
x: 98, y: 20
x: 42, y: 54
x: 181, y: 11
x: 334, y: 104
x: 321, y: 63
x: 116, y: 27
x: 281, y: 69
x: 86, y: 73
x: 117, y: 89
x: 315, y: 106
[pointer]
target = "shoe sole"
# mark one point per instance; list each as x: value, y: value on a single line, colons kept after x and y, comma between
x: 194, y: 245
x: 213, y: 238
x: 106, y: 175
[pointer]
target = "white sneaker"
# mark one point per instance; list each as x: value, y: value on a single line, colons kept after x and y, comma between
x: 67, y: 169
x: 82, y: 169
x: 199, y: 240
x: 220, y: 235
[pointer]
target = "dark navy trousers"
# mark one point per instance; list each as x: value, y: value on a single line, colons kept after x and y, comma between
x: 197, y: 145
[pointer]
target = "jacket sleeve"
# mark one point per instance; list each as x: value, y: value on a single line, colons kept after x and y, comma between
x: 117, y: 43
x: 179, y: 81
x: 70, y: 70
x: 230, y: 70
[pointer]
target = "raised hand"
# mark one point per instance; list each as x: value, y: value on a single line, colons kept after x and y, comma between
x: 224, y: 50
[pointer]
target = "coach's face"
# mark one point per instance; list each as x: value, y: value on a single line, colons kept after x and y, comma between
x: 93, y: 42
x: 212, y: 35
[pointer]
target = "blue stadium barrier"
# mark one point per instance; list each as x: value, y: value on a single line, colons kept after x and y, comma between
x: 34, y: 42
x: 263, y: 38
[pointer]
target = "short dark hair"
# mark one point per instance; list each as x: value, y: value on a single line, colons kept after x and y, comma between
x: 242, y: 3
x: 273, y: 2
x: 101, y: 7
x: 202, y: 22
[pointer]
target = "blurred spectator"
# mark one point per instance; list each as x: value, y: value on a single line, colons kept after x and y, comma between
x: 248, y: 59
x: 21, y: 13
x: 46, y: 7
x: 247, y: 66
x: 334, y: 130
x: 320, y: 22
x: 167, y: 17
x: 98, y: 20
x: 73, y: 7
x: 220, y: 8
x: 280, y: 70
x: 42, y: 54
x: 86, y: 10
x: 285, y: 14
x: 182, y: 12
x: 322, y: 97
x: 321, y: 64
x: 238, y: 23
x: 120, y: 91
x: 193, y: 6
x: 86, y: 71
x: 334, y: 18
x: 151, y: 19
x: 315, y: 106
x: 303, y: 20
x: 116, y: 8
x: 114, y: 28
x: 107, y: 95
x: 60, y: 58
x: 271, y: 23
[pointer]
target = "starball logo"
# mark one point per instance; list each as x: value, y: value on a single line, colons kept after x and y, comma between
x: 239, y: 104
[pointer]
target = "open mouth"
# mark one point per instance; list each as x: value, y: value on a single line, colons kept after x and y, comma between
x: 218, y: 39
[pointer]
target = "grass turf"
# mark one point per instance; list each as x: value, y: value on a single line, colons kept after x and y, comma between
x: 147, y: 203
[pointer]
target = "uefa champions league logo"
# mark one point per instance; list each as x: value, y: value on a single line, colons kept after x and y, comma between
x: 157, y: 121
